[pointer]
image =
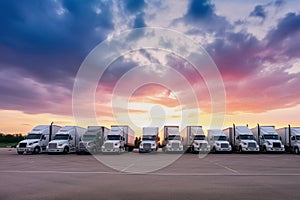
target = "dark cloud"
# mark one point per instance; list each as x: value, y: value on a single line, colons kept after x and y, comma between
x: 139, y: 21
x: 134, y: 6
x: 259, y: 11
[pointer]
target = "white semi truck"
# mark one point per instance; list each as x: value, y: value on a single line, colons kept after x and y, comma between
x: 290, y: 138
x: 66, y: 140
x: 267, y: 139
x: 241, y: 139
x: 119, y: 139
x: 172, y: 140
x: 37, y: 139
x: 150, y: 140
x: 92, y: 140
x: 194, y: 139
x: 218, y: 141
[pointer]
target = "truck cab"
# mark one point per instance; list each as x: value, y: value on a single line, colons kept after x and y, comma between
x: 268, y: 139
x: 290, y: 138
x: 218, y: 141
x: 66, y: 140
x: 200, y: 144
x: 37, y: 139
x: 114, y: 141
x: 92, y: 140
x: 194, y: 139
x: 172, y: 139
x: 246, y: 143
x: 150, y: 140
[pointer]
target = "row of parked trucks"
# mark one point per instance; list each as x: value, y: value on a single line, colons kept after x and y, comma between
x: 118, y: 139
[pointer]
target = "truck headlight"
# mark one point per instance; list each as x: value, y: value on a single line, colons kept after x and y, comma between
x: 60, y: 145
x: 153, y: 145
x: 196, y: 143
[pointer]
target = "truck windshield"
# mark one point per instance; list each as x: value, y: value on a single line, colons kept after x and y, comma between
x: 174, y: 137
x: 199, y: 137
x: 113, y: 137
x: 88, y: 137
x: 149, y: 137
x: 246, y: 137
x: 271, y: 137
x: 61, y: 137
x: 220, y: 138
x: 33, y: 136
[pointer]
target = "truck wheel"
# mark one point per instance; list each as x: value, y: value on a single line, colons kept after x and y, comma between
x: 36, y: 150
x: 214, y: 150
x: 66, y: 150
x: 240, y: 149
x: 264, y: 149
x: 296, y: 150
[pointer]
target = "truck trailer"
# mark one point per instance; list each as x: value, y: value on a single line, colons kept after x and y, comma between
x: 119, y: 139
x: 66, y: 140
x: 267, y: 139
x: 194, y: 139
x: 150, y: 140
x: 172, y: 140
x: 290, y: 138
x: 241, y: 139
x: 218, y: 141
x: 92, y: 140
x: 37, y: 139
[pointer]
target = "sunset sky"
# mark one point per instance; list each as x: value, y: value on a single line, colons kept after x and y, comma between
x: 254, y: 44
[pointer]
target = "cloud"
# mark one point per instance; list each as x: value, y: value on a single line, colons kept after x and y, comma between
x: 259, y: 11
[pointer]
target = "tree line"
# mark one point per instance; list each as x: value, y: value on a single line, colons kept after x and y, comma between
x: 9, y: 138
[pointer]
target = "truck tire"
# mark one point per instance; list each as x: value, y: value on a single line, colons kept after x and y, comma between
x: 240, y: 149
x: 36, y: 150
x: 66, y: 150
x: 264, y: 149
x: 296, y: 150
x: 214, y: 150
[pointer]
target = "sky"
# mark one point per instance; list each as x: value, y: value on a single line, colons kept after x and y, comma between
x: 254, y: 46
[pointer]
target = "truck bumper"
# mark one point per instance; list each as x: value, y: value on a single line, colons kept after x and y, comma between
x: 223, y: 149
x: 58, y: 150
x: 272, y: 149
x: 249, y: 149
x: 114, y: 150
x: 147, y: 150
x: 202, y: 150
x: 175, y: 150
x: 25, y: 149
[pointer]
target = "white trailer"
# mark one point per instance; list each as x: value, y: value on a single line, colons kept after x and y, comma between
x: 37, y: 139
x: 172, y: 139
x: 119, y: 139
x: 66, y: 140
x: 290, y: 138
x: 194, y: 139
x: 92, y: 140
x: 150, y: 140
x: 218, y: 141
x: 241, y: 139
x: 267, y: 139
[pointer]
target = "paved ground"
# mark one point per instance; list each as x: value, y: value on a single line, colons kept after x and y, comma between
x: 216, y: 176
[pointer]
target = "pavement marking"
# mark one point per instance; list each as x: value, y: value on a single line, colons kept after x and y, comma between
x: 123, y: 170
x: 155, y: 174
x: 228, y: 168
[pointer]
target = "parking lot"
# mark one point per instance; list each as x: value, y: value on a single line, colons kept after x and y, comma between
x: 143, y: 176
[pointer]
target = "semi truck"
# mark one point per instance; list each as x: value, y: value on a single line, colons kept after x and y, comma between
x: 267, y: 139
x: 66, y: 140
x: 241, y: 139
x: 150, y: 140
x: 172, y: 140
x: 118, y: 140
x: 290, y: 138
x: 92, y: 140
x: 37, y: 139
x: 194, y: 139
x: 218, y: 141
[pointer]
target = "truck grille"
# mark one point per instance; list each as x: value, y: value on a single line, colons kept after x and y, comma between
x: 52, y: 146
x: 109, y: 145
x: 22, y: 144
x: 224, y: 145
x: 81, y: 146
x: 175, y: 145
x: 276, y: 144
x: 147, y: 146
x: 203, y: 145
x: 251, y: 145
